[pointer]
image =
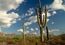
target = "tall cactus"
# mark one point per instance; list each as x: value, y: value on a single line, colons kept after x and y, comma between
x: 24, y: 34
x: 41, y: 22
x: 47, y: 32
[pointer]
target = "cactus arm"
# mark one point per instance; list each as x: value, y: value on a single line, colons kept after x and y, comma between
x: 43, y: 20
x: 39, y: 3
x: 45, y: 16
x: 47, y: 31
x: 38, y: 18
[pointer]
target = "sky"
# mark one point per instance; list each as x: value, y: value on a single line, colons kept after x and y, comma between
x: 15, y: 13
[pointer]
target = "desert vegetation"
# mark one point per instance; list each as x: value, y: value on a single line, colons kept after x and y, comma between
x: 32, y: 39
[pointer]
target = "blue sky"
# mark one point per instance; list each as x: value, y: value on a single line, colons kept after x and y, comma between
x: 25, y: 9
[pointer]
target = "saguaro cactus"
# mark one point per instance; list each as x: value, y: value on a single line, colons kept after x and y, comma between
x: 24, y: 34
x: 41, y: 22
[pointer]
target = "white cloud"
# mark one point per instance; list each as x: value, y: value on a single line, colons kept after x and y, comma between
x: 36, y: 29
x: 6, y: 5
x: 52, y: 23
x: 54, y: 30
x: 27, y: 27
x: 57, y: 4
x: 29, y: 12
x: 6, y: 20
x: 54, y: 12
x: 31, y: 20
x: 19, y: 1
x: 20, y: 30
x: 32, y: 29
x: 27, y: 23
x: 19, y: 18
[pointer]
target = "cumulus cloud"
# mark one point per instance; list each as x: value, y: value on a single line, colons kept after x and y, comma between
x: 21, y: 30
x: 29, y: 12
x: 6, y: 20
x: 6, y: 5
x: 36, y: 29
x: 27, y: 27
x: 32, y: 29
x: 54, y: 12
x: 27, y: 23
x: 31, y: 20
x: 57, y: 4
x: 54, y: 30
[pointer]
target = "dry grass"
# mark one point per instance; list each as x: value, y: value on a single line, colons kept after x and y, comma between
x: 34, y: 40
